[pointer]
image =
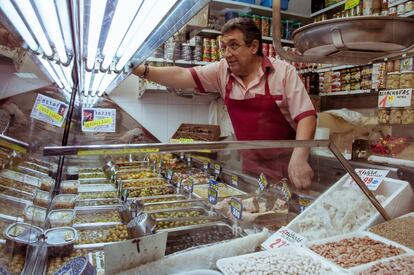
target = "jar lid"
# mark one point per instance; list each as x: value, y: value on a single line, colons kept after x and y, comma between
x: 23, y: 233
x: 61, y: 236
x: 63, y: 215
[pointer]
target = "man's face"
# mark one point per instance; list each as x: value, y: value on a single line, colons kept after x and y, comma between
x: 237, y: 53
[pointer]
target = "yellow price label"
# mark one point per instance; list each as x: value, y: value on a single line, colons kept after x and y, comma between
x: 49, y: 113
x: 98, y: 122
x: 15, y: 147
x: 116, y: 152
x: 350, y: 4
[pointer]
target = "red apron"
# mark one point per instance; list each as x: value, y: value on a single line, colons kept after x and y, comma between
x: 260, y: 118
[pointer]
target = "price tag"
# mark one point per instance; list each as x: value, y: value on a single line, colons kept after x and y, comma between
x: 212, y: 195
x: 213, y: 184
x: 236, y: 208
x: 395, y: 98
x: 350, y: 4
x: 217, y: 169
x: 263, y: 183
x: 189, y: 184
x: 371, y: 177
x: 304, y: 202
x: 170, y: 174
x: 98, y: 120
x: 49, y: 110
x: 182, y: 156
x: 286, y: 191
x: 282, y: 238
x: 206, y: 165
x: 234, y: 180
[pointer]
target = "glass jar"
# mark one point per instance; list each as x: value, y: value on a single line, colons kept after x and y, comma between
x: 393, y: 80
x: 397, y: 65
x: 407, y: 79
x: 407, y: 116
x: 258, y: 21
x: 395, y: 116
x: 401, y: 9
x: 265, y: 26
x: 383, y: 116
x: 392, y: 11
x: 409, y: 6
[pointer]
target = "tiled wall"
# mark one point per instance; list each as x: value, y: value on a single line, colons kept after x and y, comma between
x: 160, y: 112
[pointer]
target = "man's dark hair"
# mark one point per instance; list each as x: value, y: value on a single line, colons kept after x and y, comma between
x: 248, y: 28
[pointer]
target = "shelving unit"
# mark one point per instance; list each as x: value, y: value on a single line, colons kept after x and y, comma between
x: 408, y: 14
x: 356, y: 92
x: 396, y: 3
x: 330, y: 8
x: 265, y: 38
x: 178, y: 62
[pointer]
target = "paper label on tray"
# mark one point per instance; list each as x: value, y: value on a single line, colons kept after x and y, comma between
x: 235, y: 180
x: 236, y: 208
x: 350, y: 4
x: 395, y: 98
x: 212, y: 195
x: 129, y: 254
x: 217, y: 169
x: 98, y: 120
x: 49, y: 110
x: 262, y: 182
x: 282, y: 238
x: 371, y: 177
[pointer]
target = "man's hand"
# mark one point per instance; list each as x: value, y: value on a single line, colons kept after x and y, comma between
x: 300, y: 172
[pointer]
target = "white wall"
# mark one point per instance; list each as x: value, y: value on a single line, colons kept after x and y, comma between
x: 160, y: 112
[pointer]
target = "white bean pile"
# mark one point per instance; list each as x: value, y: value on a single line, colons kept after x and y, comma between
x: 266, y: 264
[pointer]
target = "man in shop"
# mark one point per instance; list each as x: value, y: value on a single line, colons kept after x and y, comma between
x: 265, y: 98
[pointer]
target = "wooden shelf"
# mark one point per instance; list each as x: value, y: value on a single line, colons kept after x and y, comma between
x: 396, y: 3
x: 356, y: 92
x: 179, y: 61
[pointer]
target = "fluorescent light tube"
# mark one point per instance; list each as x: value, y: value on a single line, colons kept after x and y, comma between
x: 150, y: 20
x: 60, y: 74
x: 47, y: 11
x: 64, y: 17
x: 31, y: 18
x: 86, y: 84
x: 97, y: 10
x: 9, y: 11
x: 108, y: 78
x: 121, y: 21
x: 50, y: 70
x: 97, y: 79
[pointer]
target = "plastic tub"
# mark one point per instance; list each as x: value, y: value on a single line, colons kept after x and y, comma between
x: 62, y: 217
x: 35, y: 215
x: 69, y: 186
x: 64, y: 201
x: 42, y: 198
x: 60, y: 241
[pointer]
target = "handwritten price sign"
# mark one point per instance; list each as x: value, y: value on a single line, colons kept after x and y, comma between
x: 282, y: 238
x: 395, y: 98
x: 371, y: 177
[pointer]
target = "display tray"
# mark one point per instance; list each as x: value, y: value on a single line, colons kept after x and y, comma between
x: 131, y: 164
x: 16, y: 194
x: 20, y: 177
x: 90, y: 170
x: 32, y: 172
x: 224, y: 191
x: 397, y: 194
x: 362, y: 268
x: 150, y: 191
x: 196, y: 211
x: 154, y: 206
x: 95, y: 257
x: 260, y: 260
x: 92, y: 180
x: 96, y: 188
x: 105, y: 215
x: 170, y: 224
x: 203, y: 234
x: 86, y: 203
x: 5, y: 221
x: 97, y: 195
x: 99, y: 235
x: 359, y: 235
x: 139, y: 183
x: 35, y: 166
x: 163, y: 198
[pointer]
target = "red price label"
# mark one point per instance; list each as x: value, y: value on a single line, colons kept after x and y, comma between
x: 278, y: 243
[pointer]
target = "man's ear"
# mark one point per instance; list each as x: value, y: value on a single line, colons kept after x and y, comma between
x: 254, y: 47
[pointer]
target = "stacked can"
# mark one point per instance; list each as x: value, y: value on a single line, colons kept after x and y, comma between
x: 187, y: 52
x: 215, y: 56
x: 172, y: 50
x: 159, y: 52
x: 206, y: 50
x: 220, y: 42
x: 198, y: 50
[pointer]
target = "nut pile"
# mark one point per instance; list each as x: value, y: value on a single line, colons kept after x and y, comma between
x: 403, y: 265
x: 173, y: 224
x: 143, y: 183
x: 177, y: 214
x: 167, y: 206
x: 399, y: 230
x: 13, y: 262
x: 149, y: 191
x: 8, y: 208
x: 103, y: 235
x: 191, y: 239
x: 356, y: 251
x: 87, y: 203
x: 288, y: 262
x: 137, y: 175
x: 98, y: 195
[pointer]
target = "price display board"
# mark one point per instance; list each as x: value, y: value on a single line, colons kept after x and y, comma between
x: 98, y: 120
x: 49, y: 110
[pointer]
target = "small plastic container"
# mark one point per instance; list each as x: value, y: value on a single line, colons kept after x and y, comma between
x: 42, y: 198
x: 59, y: 218
x: 64, y: 201
x: 47, y: 184
x: 407, y: 79
x: 35, y: 215
x: 60, y: 241
x: 69, y: 186
x: 393, y: 80
x: 407, y: 116
x: 395, y: 116
x: 383, y: 116
x: 19, y: 235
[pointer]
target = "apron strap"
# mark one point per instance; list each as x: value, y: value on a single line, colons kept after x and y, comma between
x: 267, y: 89
x: 229, y: 87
